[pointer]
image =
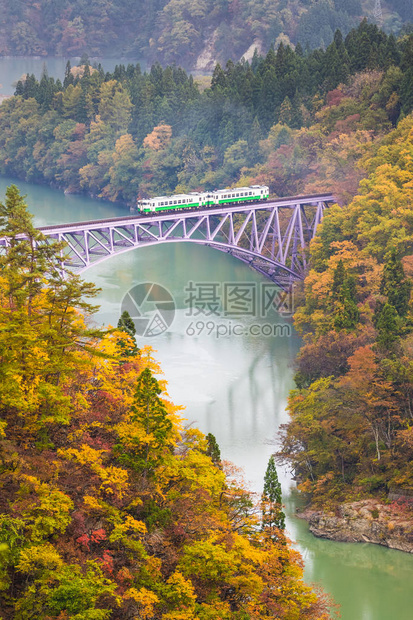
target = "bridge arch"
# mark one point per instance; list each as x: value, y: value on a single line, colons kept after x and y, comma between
x: 271, y: 237
x: 271, y: 269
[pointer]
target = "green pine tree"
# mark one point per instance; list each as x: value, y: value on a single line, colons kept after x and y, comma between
x: 272, y: 512
x: 126, y: 324
x: 387, y: 323
x: 343, y: 291
x: 213, y: 449
x: 395, y: 285
x: 219, y: 80
x: 69, y: 79
x: 285, y: 116
x: 145, y: 450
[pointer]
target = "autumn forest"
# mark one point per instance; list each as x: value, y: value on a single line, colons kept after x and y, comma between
x: 110, y: 505
x: 293, y: 120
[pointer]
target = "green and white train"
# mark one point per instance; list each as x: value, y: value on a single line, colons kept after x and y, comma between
x: 197, y: 200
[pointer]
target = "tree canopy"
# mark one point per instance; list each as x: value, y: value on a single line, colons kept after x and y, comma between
x: 350, y: 432
x: 296, y: 121
x: 180, y: 31
x: 110, y: 508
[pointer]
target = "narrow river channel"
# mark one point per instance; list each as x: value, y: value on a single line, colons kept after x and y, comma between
x: 234, y: 386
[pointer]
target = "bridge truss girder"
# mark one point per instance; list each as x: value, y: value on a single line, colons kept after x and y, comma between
x: 271, y: 237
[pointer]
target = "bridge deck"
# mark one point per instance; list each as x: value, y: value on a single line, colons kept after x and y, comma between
x: 287, y: 202
x: 272, y: 236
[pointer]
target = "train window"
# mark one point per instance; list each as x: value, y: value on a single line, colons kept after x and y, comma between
x: 250, y: 193
x: 233, y: 195
x: 237, y: 195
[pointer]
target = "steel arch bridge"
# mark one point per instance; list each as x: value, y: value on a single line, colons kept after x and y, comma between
x: 271, y: 237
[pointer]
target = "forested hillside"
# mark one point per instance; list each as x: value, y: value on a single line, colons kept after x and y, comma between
x: 109, y: 507
x: 298, y: 121
x: 351, y: 429
x: 189, y: 32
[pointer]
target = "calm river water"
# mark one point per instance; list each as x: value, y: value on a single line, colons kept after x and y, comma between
x: 234, y: 386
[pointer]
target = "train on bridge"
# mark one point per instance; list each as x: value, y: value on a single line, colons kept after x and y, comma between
x: 272, y: 238
x: 195, y: 200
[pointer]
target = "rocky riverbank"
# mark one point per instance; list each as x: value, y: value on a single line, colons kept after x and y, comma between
x: 365, y: 521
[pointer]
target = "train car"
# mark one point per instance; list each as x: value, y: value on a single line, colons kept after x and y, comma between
x: 196, y: 200
x: 170, y: 203
x: 237, y: 195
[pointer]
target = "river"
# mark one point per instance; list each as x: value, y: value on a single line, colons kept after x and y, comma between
x: 234, y: 386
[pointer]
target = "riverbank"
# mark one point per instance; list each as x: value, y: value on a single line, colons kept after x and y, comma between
x: 389, y: 525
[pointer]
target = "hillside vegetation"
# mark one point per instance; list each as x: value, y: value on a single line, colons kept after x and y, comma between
x: 338, y: 119
x: 188, y: 32
x: 295, y: 120
x: 351, y: 431
x: 109, y: 507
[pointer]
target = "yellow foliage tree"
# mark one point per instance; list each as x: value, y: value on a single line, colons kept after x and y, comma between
x: 159, y: 138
